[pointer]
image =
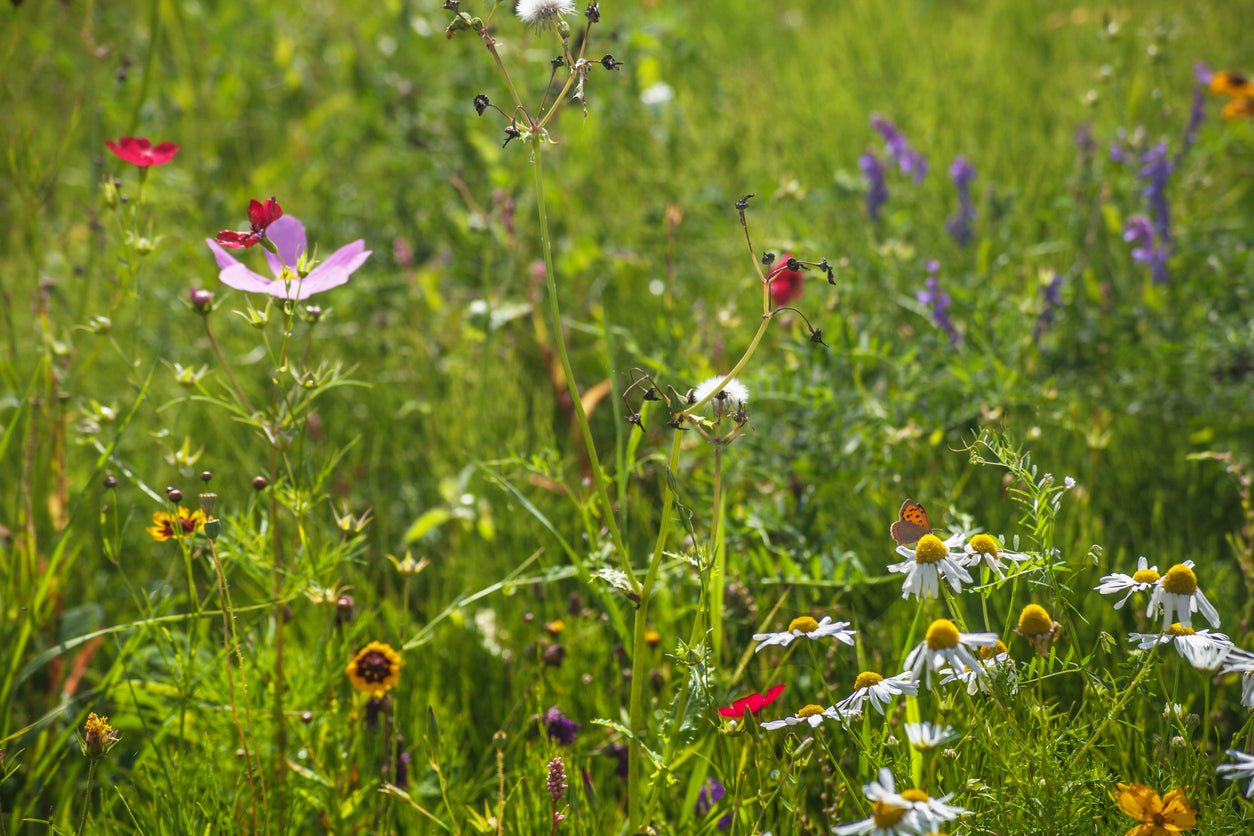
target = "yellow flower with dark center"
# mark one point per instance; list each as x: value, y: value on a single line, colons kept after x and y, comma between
x: 169, y: 527
x: 1228, y: 83
x: 1240, y: 107
x: 1157, y: 816
x: 376, y: 669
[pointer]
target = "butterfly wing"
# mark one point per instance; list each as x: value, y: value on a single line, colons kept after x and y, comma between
x: 912, y: 525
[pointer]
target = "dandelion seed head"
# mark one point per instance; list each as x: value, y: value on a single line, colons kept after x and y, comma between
x: 539, y: 12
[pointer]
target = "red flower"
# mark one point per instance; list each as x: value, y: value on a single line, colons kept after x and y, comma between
x: 260, y: 216
x: 785, y: 283
x: 752, y: 703
x: 137, y: 150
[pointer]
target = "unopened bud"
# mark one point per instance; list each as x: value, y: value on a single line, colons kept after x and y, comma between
x: 202, y: 300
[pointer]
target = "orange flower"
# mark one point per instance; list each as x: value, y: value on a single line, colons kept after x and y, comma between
x: 1158, y: 816
x: 167, y: 526
x: 376, y: 669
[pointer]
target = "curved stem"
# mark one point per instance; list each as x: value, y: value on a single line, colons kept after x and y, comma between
x: 559, y: 339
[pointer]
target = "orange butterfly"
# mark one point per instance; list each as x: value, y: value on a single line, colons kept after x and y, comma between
x: 912, y: 525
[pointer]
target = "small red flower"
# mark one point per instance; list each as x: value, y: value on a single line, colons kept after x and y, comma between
x: 137, y: 150
x: 752, y: 703
x: 785, y: 283
x: 260, y: 216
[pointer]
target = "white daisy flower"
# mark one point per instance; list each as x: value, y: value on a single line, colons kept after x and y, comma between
x: 1239, y: 771
x: 1203, y: 649
x: 926, y: 563
x: 811, y: 714
x: 540, y: 12
x: 944, y: 645
x: 909, y: 813
x: 734, y: 392
x: 928, y: 736
x: 997, y: 671
x: 870, y: 686
x: 985, y: 549
x: 1238, y: 661
x: 1247, y: 689
x: 810, y: 629
x: 1145, y: 578
x: 1179, y: 596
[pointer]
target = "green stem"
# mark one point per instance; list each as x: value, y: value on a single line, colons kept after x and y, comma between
x: 559, y: 339
x: 753, y: 345
x: 91, y: 773
x: 637, y: 653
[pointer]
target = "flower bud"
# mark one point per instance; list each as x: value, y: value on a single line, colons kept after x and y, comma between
x: 174, y: 495
x: 202, y: 300
x: 260, y: 483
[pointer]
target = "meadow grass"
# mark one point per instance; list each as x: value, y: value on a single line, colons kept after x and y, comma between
x: 450, y: 466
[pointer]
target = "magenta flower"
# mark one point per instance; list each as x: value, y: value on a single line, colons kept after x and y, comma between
x: 288, y: 236
x: 138, y: 151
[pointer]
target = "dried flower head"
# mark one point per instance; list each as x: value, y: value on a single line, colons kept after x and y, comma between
x: 539, y: 12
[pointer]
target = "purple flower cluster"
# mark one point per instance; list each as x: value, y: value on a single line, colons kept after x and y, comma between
x: 877, y: 190
x: 706, y: 799
x: 911, y: 162
x: 938, y: 300
x: 1156, y: 170
x: 1139, y: 231
x: 559, y: 727
x: 958, y: 225
x: 1051, y: 295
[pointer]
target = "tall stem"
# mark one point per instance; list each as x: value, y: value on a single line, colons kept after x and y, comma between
x: 637, y: 653
x: 559, y: 337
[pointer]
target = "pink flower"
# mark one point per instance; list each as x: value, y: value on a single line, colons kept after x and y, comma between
x: 260, y: 216
x: 752, y: 703
x: 785, y: 283
x: 288, y: 235
x: 137, y: 150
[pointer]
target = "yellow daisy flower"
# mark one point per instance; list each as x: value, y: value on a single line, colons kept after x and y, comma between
x: 167, y: 526
x: 1157, y: 816
x: 376, y: 669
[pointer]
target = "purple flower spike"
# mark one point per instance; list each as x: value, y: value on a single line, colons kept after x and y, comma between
x: 877, y: 190
x: 938, y: 300
x: 288, y: 235
x: 1139, y: 232
x: 710, y: 794
x: 559, y: 727
x: 958, y: 225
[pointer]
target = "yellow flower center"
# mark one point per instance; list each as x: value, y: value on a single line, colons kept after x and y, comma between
x: 1034, y: 620
x: 984, y: 544
x: 998, y: 649
x: 804, y: 624
x: 941, y: 635
x: 886, y: 815
x: 809, y: 711
x: 1179, y: 629
x: 652, y: 638
x: 288, y: 275
x: 930, y: 549
x: 1145, y: 576
x: 1180, y: 580
x: 914, y: 795
x: 866, y: 679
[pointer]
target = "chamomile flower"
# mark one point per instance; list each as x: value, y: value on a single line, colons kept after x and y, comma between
x: 1239, y: 771
x: 909, y: 813
x: 1036, y: 626
x: 812, y: 715
x: 873, y: 688
x: 1179, y: 596
x: 943, y: 645
x: 810, y: 629
x: 1247, y: 689
x: 928, y: 736
x: 1145, y: 578
x: 926, y: 564
x: 1204, y: 650
x: 983, y: 548
x: 996, y: 672
x: 1238, y: 661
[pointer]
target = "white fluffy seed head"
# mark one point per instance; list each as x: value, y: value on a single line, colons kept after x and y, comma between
x: 537, y: 12
x: 737, y: 392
